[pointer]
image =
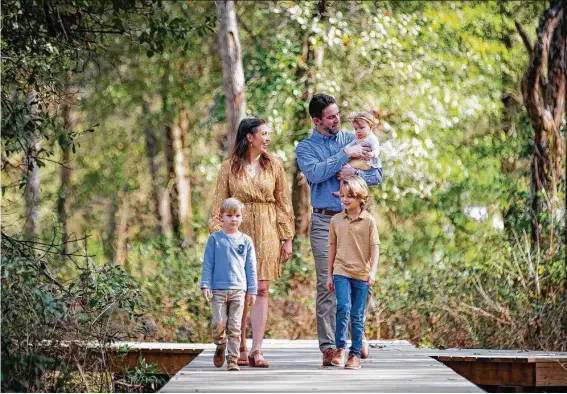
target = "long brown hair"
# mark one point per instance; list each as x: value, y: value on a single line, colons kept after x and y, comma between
x: 241, y: 146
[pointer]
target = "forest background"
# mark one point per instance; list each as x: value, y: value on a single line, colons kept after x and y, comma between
x: 116, y: 117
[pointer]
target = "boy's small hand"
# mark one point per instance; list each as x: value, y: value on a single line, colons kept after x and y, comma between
x: 330, y: 284
x: 369, y: 155
x: 250, y: 299
x: 337, y: 193
x: 206, y: 293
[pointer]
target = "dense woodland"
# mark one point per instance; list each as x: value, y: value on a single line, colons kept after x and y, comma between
x: 117, y: 114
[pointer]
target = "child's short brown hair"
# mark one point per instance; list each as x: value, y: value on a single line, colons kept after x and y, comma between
x: 231, y: 206
x: 358, y: 188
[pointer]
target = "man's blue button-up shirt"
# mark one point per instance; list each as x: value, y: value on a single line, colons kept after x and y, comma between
x: 320, y: 158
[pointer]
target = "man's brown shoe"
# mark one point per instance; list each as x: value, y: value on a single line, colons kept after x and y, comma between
x: 220, y: 353
x: 339, y: 359
x: 365, y: 351
x: 232, y: 364
x: 353, y: 362
x: 328, y: 356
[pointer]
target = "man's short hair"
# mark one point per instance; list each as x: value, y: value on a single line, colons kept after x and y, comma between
x: 318, y: 103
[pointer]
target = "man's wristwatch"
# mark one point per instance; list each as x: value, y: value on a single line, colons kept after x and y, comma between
x: 357, y: 172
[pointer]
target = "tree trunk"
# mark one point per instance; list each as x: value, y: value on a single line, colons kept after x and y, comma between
x: 151, y: 153
x: 182, y: 167
x: 64, y: 197
x: 31, y: 191
x: 121, y: 235
x: 311, y: 61
x: 108, y: 238
x: 116, y: 236
x: 172, y: 185
x: 543, y: 94
x: 232, y: 71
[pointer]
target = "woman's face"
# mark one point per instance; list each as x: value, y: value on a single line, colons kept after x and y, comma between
x: 259, y: 142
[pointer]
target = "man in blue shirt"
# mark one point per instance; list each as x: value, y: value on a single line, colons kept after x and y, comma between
x: 323, y: 158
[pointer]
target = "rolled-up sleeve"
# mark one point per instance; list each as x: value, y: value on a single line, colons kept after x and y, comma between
x: 372, y: 176
x: 317, y: 171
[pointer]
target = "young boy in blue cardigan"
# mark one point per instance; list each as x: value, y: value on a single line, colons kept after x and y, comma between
x: 229, y: 272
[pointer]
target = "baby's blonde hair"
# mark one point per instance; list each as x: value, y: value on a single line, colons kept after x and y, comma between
x: 358, y: 188
x: 231, y: 206
x: 363, y: 115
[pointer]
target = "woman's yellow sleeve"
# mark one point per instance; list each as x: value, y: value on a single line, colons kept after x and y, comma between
x: 284, y: 209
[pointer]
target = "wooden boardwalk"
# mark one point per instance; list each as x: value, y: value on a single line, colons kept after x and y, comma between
x: 295, y: 366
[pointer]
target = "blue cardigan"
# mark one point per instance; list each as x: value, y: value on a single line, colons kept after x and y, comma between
x: 229, y: 263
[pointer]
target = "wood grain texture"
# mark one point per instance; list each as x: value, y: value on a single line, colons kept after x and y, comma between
x: 393, y: 366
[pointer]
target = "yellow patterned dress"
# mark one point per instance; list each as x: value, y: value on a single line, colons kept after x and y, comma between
x: 268, y: 214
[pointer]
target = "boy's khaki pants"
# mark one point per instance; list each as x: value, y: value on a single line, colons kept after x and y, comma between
x: 228, y: 306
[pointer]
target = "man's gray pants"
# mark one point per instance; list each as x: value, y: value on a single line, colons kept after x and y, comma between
x: 326, y: 301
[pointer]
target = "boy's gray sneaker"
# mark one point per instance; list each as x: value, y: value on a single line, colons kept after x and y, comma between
x: 232, y: 364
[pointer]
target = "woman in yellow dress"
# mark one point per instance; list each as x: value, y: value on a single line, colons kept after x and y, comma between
x: 257, y: 179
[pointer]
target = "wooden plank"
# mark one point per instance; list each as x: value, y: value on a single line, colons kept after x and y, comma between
x: 551, y: 374
x: 499, y: 356
x: 169, y: 361
x: 495, y: 374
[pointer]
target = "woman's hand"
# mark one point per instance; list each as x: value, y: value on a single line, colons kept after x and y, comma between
x: 370, y: 279
x: 286, y: 250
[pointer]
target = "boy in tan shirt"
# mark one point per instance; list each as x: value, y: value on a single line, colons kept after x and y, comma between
x: 352, y: 265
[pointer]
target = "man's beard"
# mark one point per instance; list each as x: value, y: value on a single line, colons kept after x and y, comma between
x: 332, y: 131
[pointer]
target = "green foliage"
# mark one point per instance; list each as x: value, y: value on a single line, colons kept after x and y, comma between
x: 42, y: 316
x: 45, y: 42
x: 144, y: 378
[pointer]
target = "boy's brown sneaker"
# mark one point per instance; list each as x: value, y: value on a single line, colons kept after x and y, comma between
x: 220, y: 353
x: 339, y: 359
x: 353, y: 362
x: 328, y: 356
x: 232, y: 364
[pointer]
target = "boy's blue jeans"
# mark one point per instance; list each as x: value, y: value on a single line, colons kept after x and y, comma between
x: 351, y: 301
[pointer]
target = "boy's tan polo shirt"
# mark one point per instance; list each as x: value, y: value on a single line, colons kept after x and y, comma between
x: 353, y: 239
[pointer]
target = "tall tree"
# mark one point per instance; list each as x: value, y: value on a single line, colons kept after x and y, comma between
x: 172, y: 184
x: 63, y: 199
x: 32, y: 145
x: 311, y: 61
x: 182, y: 171
x: 151, y: 154
x: 232, y: 71
x: 543, y: 90
x: 121, y: 231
